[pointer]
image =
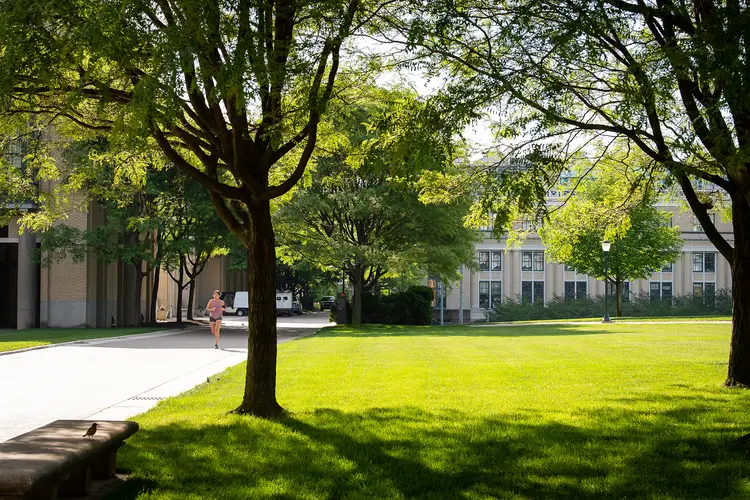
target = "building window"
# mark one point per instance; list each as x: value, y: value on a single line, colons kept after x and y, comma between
x: 496, y: 293
x: 655, y: 291
x: 612, y: 290
x: 570, y: 289
x: 576, y: 289
x: 704, y: 262
x: 709, y: 262
x: 667, y: 268
x: 569, y: 268
x: 666, y: 291
x: 525, y: 261
x: 497, y: 261
x: 484, y: 294
x: 538, y: 292
x: 4, y: 231
x: 484, y: 261
x: 532, y: 292
x: 701, y: 289
x: 527, y: 292
x: 697, y: 228
x: 697, y: 263
x: 538, y: 261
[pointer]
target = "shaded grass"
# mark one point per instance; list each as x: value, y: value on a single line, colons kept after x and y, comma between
x: 32, y: 337
x: 568, y: 411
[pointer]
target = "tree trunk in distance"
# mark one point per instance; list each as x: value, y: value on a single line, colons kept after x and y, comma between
x: 155, y: 290
x: 358, y: 278
x: 180, y: 279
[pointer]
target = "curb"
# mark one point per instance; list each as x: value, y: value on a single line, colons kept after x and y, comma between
x: 95, y: 341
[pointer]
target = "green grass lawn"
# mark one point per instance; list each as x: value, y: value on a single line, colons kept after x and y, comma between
x: 21, y: 339
x: 562, y: 411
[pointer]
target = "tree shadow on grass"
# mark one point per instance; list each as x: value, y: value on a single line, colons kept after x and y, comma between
x: 464, y: 331
x: 407, y: 452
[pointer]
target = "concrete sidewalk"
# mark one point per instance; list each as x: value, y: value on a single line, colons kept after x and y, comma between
x: 117, y: 378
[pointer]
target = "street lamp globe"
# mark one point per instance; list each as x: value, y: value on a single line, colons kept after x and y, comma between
x: 606, y: 245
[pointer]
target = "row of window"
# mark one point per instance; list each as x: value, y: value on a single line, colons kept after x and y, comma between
x: 490, y: 292
x: 703, y: 262
x: 493, y: 261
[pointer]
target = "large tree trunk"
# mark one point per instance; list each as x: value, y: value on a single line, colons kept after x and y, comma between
x: 739, y: 354
x: 358, y: 282
x: 618, y: 298
x: 260, y: 379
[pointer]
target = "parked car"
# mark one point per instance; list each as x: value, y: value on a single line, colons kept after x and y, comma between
x: 326, y: 302
x: 296, y: 307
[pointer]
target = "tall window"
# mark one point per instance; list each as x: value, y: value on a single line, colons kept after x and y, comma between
x: 667, y: 268
x: 484, y: 261
x: 532, y: 292
x: 697, y: 228
x: 484, y: 294
x: 576, y: 289
x: 538, y: 261
x: 612, y: 290
x: 496, y: 263
x: 4, y: 231
x: 490, y: 294
x: 704, y: 262
x: 707, y: 290
x: 525, y: 261
x: 532, y: 261
x: 496, y: 293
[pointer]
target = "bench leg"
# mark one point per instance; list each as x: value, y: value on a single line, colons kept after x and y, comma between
x: 77, y: 482
x: 103, y: 465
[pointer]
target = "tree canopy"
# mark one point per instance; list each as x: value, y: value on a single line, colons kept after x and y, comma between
x: 606, y: 206
x: 360, y: 210
x: 669, y: 78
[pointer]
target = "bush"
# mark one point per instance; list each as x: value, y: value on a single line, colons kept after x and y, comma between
x: 410, y: 307
x: 512, y: 309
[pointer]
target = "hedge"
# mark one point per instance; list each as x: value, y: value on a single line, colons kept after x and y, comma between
x: 410, y: 307
x: 512, y: 309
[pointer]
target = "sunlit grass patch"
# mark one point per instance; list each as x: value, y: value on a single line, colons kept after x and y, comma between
x: 563, y: 411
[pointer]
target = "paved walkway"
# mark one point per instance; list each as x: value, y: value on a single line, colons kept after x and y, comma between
x: 118, y: 378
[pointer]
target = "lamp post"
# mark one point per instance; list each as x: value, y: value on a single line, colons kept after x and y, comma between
x: 605, y: 247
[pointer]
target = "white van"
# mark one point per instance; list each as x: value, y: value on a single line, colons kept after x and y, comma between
x: 284, y: 304
x: 235, y: 302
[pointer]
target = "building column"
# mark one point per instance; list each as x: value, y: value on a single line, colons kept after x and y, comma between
x: 26, y: 310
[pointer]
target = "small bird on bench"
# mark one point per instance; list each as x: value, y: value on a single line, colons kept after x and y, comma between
x: 91, y: 431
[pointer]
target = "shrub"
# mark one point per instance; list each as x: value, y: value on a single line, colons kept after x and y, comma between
x: 513, y: 309
x: 410, y: 307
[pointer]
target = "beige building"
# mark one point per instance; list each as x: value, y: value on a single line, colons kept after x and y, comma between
x: 525, y: 272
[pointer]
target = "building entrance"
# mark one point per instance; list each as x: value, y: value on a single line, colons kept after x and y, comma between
x: 8, y: 284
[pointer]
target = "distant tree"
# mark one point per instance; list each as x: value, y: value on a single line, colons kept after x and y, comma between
x: 360, y: 210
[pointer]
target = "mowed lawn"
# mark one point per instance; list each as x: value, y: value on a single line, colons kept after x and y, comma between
x: 33, y: 337
x: 562, y: 411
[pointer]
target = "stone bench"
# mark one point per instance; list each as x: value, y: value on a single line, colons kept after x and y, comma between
x: 57, y: 460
